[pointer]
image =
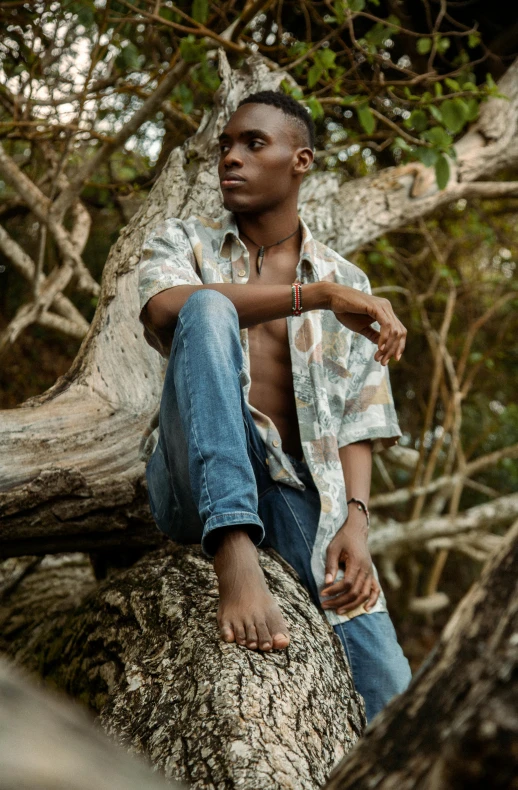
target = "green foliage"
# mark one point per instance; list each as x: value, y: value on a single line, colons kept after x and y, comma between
x: 442, y: 171
x: 366, y: 118
x: 129, y: 58
x: 317, y: 111
x: 184, y: 95
x: 454, y: 113
x: 200, y: 10
x: 191, y: 50
x: 424, y: 45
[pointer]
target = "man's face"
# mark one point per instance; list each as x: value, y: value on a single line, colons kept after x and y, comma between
x: 261, y: 147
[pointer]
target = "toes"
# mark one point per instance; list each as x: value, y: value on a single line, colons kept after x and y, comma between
x: 251, y: 636
x: 240, y: 633
x: 280, y: 641
x: 281, y: 637
x: 264, y: 636
x: 227, y: 632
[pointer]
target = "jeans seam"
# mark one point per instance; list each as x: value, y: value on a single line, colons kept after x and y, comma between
x: 246, y: 514
x: 193, y: 427
x: 345, y: 643
x: 296, y: 520
x: 267, y: 490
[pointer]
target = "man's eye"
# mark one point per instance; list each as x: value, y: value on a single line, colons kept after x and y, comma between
x: 258, y: 142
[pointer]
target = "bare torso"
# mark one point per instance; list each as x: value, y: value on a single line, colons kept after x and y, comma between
x: 271, y: 390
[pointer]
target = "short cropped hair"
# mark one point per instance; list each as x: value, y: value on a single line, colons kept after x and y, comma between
x: 290, y: 107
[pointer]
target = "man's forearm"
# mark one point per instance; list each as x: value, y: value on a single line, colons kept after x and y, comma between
x: 254, y: 305
x: 356, y: 461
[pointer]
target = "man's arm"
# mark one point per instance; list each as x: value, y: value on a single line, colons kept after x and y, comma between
x: 254, y: 305
x: 349, y: 545
x: 354, y: 308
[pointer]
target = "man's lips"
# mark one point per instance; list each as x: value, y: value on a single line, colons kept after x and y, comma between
x: 231, y: 181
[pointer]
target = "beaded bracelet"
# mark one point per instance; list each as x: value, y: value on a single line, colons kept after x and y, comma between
x: 296, y: 298
x: 361, y: 506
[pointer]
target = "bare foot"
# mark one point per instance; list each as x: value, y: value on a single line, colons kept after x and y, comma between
x: 248, y: 613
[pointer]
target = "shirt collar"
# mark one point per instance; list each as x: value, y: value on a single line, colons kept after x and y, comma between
x: 230, y: 229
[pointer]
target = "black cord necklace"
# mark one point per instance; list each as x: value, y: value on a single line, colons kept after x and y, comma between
x: 260, y: 254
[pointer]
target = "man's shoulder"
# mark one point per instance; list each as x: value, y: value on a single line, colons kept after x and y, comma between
x: 346, y: 272
x: 196, y: 227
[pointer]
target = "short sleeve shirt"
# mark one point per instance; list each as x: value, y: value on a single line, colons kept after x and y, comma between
x: 342, y: 393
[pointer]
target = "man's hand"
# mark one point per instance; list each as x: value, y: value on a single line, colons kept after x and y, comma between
x: 359, y: 585
x: 358, y: 310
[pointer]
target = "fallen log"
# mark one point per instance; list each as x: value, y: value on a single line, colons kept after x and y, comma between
x: 142, y: 650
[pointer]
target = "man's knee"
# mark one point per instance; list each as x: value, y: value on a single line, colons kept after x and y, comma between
x: 209, y: 308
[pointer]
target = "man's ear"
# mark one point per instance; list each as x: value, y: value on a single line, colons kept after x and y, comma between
x: 303, y: 160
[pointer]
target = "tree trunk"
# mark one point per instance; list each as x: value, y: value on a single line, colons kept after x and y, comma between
x: 221, y: 716
x: 142, y: 650
x: 70, y: 476
x: 456, y: 726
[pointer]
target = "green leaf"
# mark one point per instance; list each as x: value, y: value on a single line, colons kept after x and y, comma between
x: 297, y: 49
x: 338, y: 8
x: 314, y: 74
x: 454, y: 113
x: 438, y: 89
x: 443, y: 44
x: 399, y: 142
x: 191, y: 50
x: 473, y: 108
x: 317, y: 111
x: 452, y: 84
x: 350, y: 99
x: 417, y: 120
x: 473, y: 40
x: 378, y: 34
x: 200, y: 10
x: 355, y: 5
x: 435, y: 112
x: 438, y: 137
x: 208, y: 76
x: 428, y: 156
x: 366, y: 118
x: 130, y: 56
x: 185, y: 97
x: 295, y: 91
x: 442, y: 171
x: 325, y: 58
x: 424, y: 45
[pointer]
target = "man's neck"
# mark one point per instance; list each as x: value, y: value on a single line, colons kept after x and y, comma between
x: 269, y: 227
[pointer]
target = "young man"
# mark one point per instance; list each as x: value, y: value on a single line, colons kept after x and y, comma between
x: 274, y: 397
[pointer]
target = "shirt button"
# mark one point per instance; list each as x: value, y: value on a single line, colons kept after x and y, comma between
x: 267, y: 462
x: 241, y: 272
x: 275, y: 443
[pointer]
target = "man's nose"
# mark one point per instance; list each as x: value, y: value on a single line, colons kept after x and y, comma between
x: 232, y: 157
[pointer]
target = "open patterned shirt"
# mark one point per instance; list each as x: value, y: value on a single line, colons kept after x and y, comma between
x: 342, y: 393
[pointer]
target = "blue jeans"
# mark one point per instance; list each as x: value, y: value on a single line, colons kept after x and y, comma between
x: 209, y: 471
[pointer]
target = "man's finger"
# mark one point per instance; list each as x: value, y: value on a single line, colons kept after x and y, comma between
x: 332, y: 558
x: 374, y: 595
x: 344, y: 586
x: 362, y: 597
